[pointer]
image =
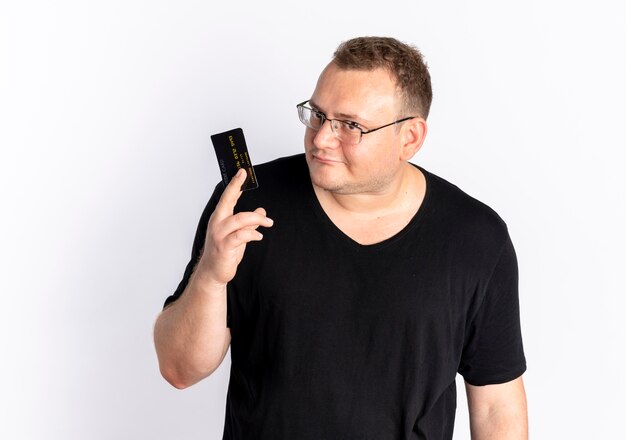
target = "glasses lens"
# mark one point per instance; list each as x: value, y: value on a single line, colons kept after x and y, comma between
x: 310, y: 118
x: 346, y: 132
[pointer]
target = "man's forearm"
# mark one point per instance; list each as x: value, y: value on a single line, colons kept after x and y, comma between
x: 498, y: 412
x: 191, y: 336
x: 504, y: 424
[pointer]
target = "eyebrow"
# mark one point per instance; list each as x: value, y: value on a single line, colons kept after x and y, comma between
x: 341, y: 115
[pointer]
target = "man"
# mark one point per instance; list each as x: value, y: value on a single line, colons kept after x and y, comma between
x: 350, y: 311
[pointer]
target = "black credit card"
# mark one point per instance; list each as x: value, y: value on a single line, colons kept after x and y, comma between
x: 232, y: 154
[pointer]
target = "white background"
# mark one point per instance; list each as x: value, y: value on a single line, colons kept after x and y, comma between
x: 106, y: 109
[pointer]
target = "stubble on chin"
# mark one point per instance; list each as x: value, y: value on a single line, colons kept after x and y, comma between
x: 343, y: 187
x: 325, y: 184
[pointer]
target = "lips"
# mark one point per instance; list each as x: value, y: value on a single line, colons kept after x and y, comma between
x: 324, y: 159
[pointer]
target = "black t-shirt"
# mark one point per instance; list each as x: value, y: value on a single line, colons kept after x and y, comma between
x: 336, y: 340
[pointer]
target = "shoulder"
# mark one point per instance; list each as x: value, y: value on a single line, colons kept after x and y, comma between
x: 282, y: 169
x: 462, y: 216
x: 280, y: 181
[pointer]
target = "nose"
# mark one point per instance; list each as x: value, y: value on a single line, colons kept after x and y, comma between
x: 325, y: 138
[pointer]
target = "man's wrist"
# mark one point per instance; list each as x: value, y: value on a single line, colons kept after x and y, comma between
x: 203, y: 281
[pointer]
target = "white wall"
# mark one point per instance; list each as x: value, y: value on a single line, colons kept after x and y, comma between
x: 106, y: 109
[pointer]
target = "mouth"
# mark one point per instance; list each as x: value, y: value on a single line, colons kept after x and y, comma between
x: 323, y: 159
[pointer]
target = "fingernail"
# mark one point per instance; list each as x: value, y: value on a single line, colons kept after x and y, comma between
x: 270, y: 221
x: 241, y: 172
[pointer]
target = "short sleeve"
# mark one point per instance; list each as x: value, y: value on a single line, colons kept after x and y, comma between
x: 493, y: 352
x: 198, y: 244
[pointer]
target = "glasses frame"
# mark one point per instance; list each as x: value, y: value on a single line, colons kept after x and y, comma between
x: 350, y: 123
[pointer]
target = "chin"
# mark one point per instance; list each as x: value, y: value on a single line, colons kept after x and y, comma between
x: 337, y: 186
x: 325, y: 183
x: 341, y: 186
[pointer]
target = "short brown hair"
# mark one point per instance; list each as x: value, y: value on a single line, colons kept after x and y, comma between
x: 403, y: 61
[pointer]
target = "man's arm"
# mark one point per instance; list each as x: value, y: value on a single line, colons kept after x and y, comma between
x: 498, y: 412
x: 191, y: 336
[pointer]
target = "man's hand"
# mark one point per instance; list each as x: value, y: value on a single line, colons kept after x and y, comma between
x: 228, y: 234
x: 498, y: 412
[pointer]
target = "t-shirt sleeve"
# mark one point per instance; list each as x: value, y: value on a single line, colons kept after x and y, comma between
x: 493, y: 351
x: 198, y: 244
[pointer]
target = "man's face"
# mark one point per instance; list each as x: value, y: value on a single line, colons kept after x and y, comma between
x: 370, y: 99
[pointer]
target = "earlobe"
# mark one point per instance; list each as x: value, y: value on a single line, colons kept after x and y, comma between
x: 414, y: 134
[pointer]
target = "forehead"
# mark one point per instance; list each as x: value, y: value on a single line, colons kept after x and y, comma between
x: 365, y: 92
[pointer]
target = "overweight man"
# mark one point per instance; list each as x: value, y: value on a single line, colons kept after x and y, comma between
x: 352, y: 286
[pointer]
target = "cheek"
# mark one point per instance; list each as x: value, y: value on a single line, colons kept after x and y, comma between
x: 309, y: 135
x: 369, y: 159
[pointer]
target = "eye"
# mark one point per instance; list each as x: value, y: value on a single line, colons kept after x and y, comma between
x: 351, y: 125
x: 319, y: 116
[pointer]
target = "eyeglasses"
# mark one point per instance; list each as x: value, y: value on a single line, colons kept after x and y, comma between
x: 348, y: 132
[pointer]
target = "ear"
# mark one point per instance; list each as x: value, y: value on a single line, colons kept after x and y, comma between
x: 413, y: 134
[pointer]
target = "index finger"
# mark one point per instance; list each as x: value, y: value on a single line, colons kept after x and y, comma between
x: 231, y: 194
